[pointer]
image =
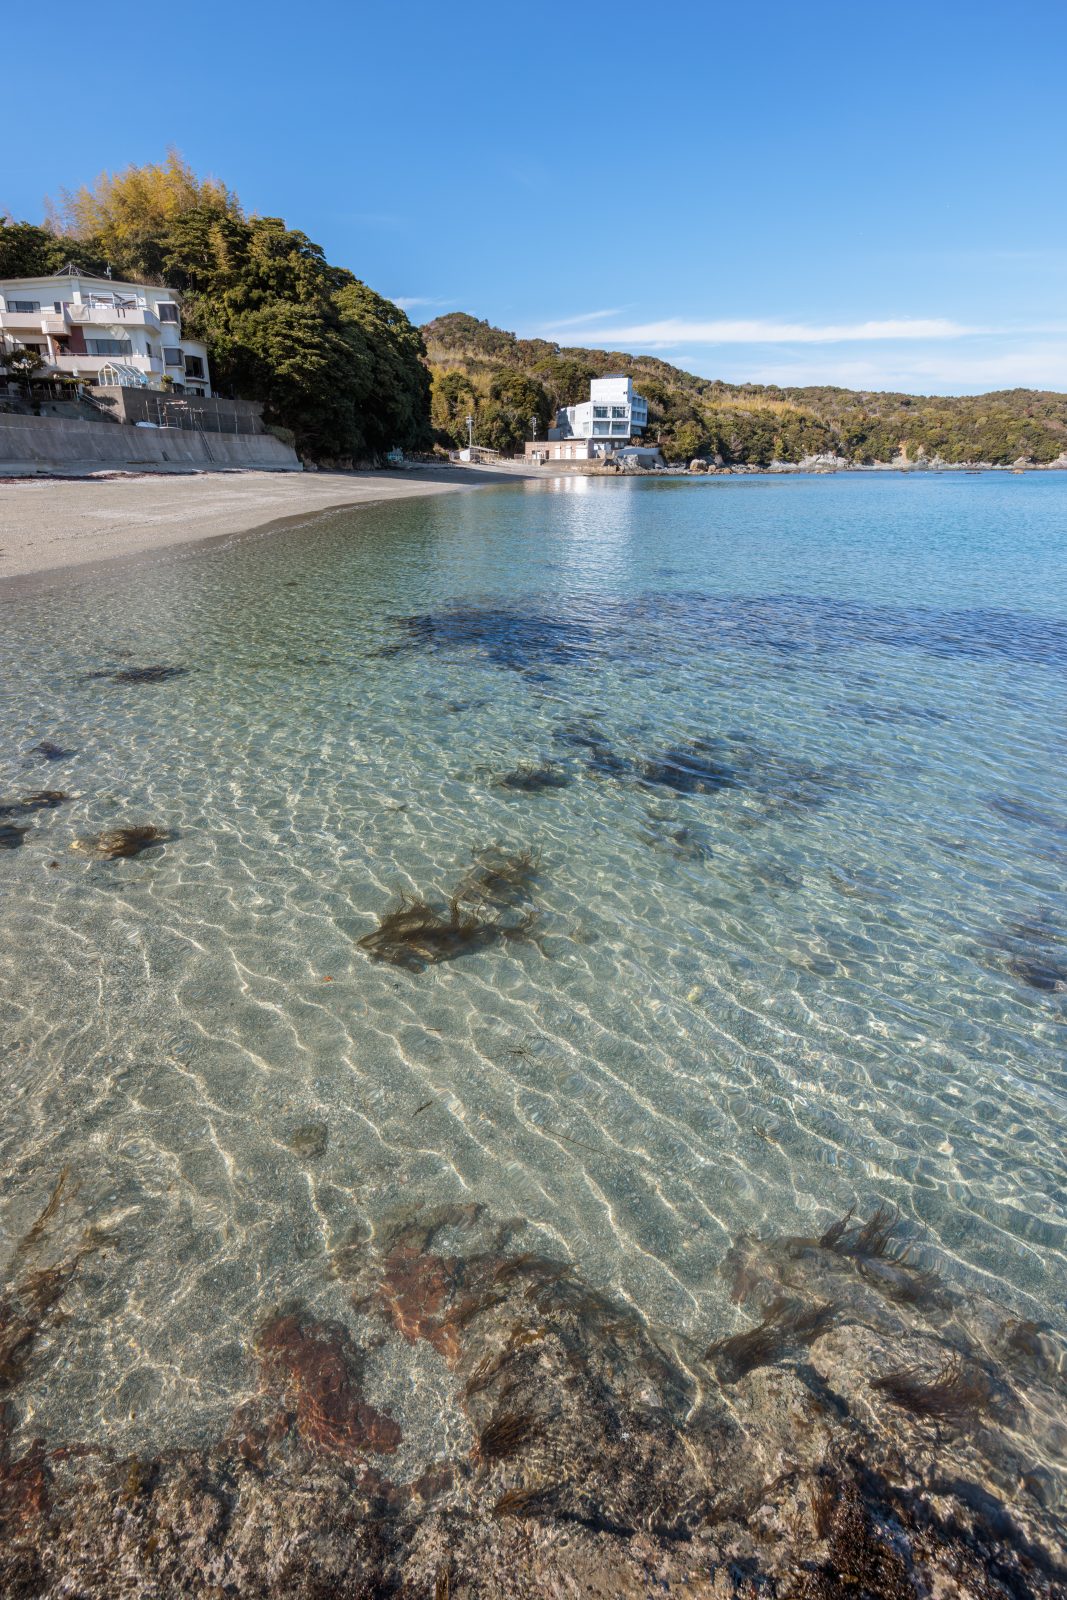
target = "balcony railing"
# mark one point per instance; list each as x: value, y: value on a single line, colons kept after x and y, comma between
x: 136, y: 316
x: 20, y: 319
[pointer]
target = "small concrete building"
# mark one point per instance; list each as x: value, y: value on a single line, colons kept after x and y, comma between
x: 612, y: 416
x: 103, y: 331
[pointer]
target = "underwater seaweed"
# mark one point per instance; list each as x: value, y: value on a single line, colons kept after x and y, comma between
x: 697, y: 767
x: 882, y: 1259
x: 43, y: 800
x: 51, y: 751
x: 788, y: 1323
x: 860, y: 1563
x: 870, y: 1240
x: 533, y: 780
x: 153, y: 674
x: 416, y: 934
x: 1016, y: 809
x: 952, y: 1394
x: 1047, y: 975
x: 522, y: 640
x: 32, y: 1237
x: 31, y: 1296
x: 120, y: 843
x: 499, y: 877
x: 11, y: 836
x: 505, y: 1434
x: 526, y: 1502
x: 902, y: 1281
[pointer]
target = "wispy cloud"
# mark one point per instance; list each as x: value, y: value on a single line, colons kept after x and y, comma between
x: 409, y: 302
x: 585, y: 319
x: 672, y: 331
x: 955, y: 371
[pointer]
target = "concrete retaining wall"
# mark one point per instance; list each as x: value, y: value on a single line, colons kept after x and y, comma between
x: 151, y: 405
x: 32, y: 445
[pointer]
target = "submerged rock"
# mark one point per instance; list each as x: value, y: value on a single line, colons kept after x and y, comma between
x: 874, y: 1450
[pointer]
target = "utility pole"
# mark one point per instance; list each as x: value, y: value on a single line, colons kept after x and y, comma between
x: 470, y: 432
x: 533, y: 425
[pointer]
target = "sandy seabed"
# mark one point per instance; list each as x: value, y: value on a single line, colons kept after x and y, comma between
x: 49, y: 524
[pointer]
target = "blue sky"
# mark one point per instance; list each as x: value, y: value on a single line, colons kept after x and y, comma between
x: 856, y: 194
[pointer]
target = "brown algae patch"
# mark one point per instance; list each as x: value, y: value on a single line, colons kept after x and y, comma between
x: 491, y: 904
x: 136, y: 675
x: 116, y: 844
x: 42, y: 800
x: 952, y: 1394
x: 787, y: 1325
x: 533, y: 780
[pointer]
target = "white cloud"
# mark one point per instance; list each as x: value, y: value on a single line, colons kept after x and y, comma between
x: 408, y: 302
x: 673, y: 331
x: 1025, y: 366
x: 586, y: 317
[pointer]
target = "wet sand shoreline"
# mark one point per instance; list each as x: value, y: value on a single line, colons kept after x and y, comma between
x: 49, y: 525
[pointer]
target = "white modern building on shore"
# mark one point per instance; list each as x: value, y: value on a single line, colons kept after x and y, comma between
x: 100, y: 331
x: 613, y: 418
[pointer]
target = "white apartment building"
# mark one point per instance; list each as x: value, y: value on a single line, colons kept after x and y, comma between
x: 102, y: 331
x: 611, y: 417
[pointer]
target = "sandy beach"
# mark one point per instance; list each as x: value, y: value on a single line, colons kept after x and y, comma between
x: 49, y: 524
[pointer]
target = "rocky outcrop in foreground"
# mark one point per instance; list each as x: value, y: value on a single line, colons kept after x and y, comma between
x: 869, y: 1432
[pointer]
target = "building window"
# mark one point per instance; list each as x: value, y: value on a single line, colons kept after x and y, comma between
x: 618, y: 427
x: 24, y: 305
x: 109, y: 347
x: 194, y: 366
x: 167, y: 311
x: 601, y: 411
x: 618, y: 411
x: 601, y: 427
x: 172, y: 356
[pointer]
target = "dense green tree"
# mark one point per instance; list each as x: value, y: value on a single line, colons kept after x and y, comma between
x: 453, y: 399
x: 27, y: 251
x: 338, y: 365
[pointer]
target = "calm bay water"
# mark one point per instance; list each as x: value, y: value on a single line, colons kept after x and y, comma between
x: 801, y: 936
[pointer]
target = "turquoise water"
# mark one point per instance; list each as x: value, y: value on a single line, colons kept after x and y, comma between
x: 801, y: 921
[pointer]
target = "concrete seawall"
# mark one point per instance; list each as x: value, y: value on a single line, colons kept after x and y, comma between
x: 33, y: 445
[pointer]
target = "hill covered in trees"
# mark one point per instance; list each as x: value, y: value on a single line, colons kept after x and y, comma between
x: 338, y: 365
x: 349, y: 375
x: 503, y: 381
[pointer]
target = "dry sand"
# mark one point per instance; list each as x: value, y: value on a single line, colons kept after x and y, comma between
x: 48, y: 524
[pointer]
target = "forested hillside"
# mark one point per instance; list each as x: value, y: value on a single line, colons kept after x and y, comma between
x: 503, y: 381
x: 333, y: 362
x: 346, y: 372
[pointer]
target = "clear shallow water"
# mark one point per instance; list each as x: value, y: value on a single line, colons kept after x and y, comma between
x: 802, y: 933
